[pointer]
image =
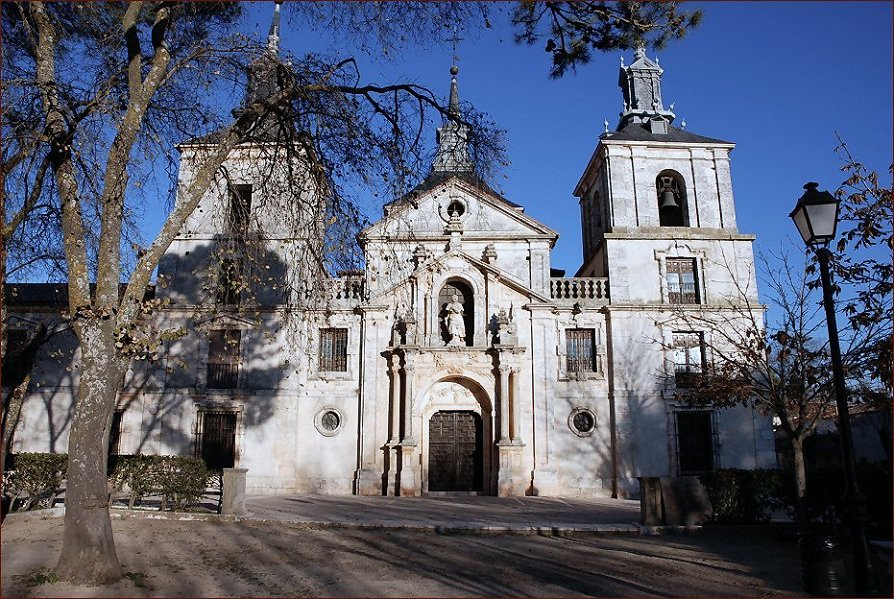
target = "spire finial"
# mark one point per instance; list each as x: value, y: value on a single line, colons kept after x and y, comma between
x: 273, y: 35
x: 453, y: 105
x: 639, y: 52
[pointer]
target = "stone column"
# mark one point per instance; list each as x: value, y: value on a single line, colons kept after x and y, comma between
x: 408, y: 399
x: 516, y: 436
x: 395, y: 399
x: 410, y: 483
x: 504, y: 400
x: 393, y: 475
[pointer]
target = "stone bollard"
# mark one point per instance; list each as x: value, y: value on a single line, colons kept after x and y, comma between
x: 233, y: 492
x: 650, y: 507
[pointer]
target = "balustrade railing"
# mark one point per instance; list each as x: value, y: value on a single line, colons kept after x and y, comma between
x: 586, y: 290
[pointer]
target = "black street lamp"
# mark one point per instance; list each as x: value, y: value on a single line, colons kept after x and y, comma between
x: 816, y: 216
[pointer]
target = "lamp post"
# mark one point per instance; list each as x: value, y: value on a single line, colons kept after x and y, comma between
x: 816, y: 217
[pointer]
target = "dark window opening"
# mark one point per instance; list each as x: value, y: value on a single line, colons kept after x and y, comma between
x: 216, y: 439
x: 223, y: 359
x: 240, y: 208
x: 682, y: 285
x: 580, y: 354
x: 334, y: 350
x: 464, y: 296
x: 695, y: 442
x: 115, y: 433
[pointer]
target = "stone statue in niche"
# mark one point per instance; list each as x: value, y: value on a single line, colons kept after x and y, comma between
x: 454, y: 323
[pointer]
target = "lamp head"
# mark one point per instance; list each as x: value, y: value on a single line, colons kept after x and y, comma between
x: 816, y: 215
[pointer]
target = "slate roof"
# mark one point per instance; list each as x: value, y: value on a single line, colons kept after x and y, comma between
x: 640, y: 132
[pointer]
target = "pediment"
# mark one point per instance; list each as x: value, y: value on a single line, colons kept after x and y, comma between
x: 225, y: 320
x: 483, y: 214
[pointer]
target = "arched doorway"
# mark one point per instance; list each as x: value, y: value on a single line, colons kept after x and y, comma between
x: 455, y: 452
x: 457, y: 424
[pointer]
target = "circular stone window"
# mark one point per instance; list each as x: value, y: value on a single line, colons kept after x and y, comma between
x: 456, y: 207
x: 582, y: 422
x: 450, y: 206
x: 328, y: 421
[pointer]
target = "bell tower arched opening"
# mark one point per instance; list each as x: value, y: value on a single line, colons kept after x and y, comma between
x: 673, y: 210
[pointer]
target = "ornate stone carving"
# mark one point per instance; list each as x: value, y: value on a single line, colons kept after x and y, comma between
x: 506, y: 329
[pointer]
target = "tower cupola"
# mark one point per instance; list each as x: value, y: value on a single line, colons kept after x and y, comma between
x: 640, y: 83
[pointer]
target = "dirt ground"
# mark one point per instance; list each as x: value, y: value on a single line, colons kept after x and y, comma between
x: 171, y: 558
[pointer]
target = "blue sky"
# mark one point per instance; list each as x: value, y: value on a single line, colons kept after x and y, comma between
x: 779, y: 79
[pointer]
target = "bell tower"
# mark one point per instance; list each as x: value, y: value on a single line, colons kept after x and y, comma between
x: 659, y: 221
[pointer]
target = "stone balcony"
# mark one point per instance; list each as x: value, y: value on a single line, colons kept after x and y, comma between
x: 586, y: 291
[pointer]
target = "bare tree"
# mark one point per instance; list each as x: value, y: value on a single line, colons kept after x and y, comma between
x: 780, y: 367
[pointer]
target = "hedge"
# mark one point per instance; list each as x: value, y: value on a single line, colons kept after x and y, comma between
x: 744, y: 496
x: 179, y: 480
x: 37, y: 476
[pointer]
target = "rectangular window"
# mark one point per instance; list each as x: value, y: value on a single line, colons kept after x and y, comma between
x: 240, y: 208
x: 334, y: 350
x: 223, y: 359
x: 695, y: 442
x: 228, y: 283
x: 579, y: 350
x: 682, y: 285
x: 216, y: 439
x: 689, y: 358
x: 115, y: 433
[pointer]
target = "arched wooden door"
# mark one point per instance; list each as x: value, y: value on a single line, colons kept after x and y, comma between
x: 455, y: 452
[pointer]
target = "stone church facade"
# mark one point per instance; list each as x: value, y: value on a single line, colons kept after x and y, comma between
x: 457, y: 360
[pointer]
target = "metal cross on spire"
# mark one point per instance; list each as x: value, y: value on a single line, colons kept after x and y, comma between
x: 455, y: 39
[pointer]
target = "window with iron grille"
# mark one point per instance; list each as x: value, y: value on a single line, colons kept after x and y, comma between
x: 682, y: 285
x: 240, y: 208
x: 216, y: 439
x: 334, y: 350
x: 695, y: 442
x: 579, y: 350
x: 223, y: 359
x: 689, y: 358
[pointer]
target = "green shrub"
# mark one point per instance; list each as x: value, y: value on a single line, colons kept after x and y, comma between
x: 136, y: 474
x: 179, y: 480
x: 38, y: 476
x: 743, y: 496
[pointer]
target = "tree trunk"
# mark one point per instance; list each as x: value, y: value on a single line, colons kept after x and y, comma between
x: 11, y: 416
x: 88, y: 548
x: 800, y: 474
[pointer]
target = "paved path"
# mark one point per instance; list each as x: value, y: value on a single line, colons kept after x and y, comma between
x: 445, y: 513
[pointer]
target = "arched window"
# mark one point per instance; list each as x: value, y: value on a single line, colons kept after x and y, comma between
x: 464, y: 297
x: 673, y: 210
